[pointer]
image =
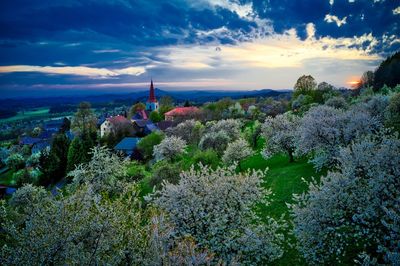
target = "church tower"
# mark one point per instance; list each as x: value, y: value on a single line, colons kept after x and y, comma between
x: 152, y: 103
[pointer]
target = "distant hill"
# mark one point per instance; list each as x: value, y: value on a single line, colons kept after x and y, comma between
x: 196, y: 96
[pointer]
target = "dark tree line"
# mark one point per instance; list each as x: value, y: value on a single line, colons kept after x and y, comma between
x: 388, y: 72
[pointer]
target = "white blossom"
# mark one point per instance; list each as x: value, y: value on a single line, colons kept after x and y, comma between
x: 230, y: 126
x: 218, y: 141
x: 216, y: 208
x: 280, y: 134
x: 354, y: 209
x: 237, y: 151
x: 104, y: 172
x: 189, y: 130
x: 169, y: 148
x: 80, y: 229
x: 324, y: 130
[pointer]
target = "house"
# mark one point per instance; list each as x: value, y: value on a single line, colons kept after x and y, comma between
x: 150, y: 127
x: 127, y: 145
x: 181, y: 113
x: 144, y: 127
x: 152, y: 103
x: 164, y: 125
x: 115, y: 123
x: 140, y: 115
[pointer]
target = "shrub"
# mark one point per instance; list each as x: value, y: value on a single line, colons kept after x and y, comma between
x: 207, y: 157
x: 217, y: 141
x: 324, y: 130
x: 146, y: 144
x: 169, y: 148
x: 165, y: 171
x: 236, y: 152
x: 15, y: 161
x: 337, y: 102
x: 136, y: 171
x: 392, y: 118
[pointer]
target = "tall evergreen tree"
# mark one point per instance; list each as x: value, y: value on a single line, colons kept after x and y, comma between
x: 53, y: 163
x: 74, y: 156
x: 66, y: 125
x: 388, y: 72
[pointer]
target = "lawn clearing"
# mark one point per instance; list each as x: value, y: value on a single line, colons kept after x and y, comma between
x: 284, y: 179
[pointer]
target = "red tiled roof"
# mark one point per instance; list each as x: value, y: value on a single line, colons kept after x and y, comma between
x: 178, y: 111
x: 118, y: 119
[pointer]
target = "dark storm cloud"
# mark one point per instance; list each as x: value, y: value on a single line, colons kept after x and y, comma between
x: 137, y: 22
x: 133, y: 33
x: 362, y: 16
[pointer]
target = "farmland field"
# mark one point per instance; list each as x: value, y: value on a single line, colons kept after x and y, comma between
x: 22, y: 115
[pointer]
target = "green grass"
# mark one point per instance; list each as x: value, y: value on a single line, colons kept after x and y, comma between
x: 36, y: 113
x: 6, y: 178
x: 284, y: 179
x: 144, y: 184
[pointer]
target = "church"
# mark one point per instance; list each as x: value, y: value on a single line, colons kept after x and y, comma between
x: 152, y: 103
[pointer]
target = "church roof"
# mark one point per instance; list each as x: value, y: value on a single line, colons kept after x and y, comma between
x: 152, y: 96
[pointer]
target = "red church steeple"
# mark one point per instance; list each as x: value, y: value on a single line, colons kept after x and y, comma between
x: 152, y: 97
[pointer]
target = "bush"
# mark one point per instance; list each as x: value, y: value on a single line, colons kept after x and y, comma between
x: 218, y: 141
x: 165, y: 171
x: 337, y: 102
x: 155, y: 117
x: 189, y: 130
x: 236, y: 152
x: 301, y: 103
x: 392, y: 118
x: 324, y: 130
x: 146, y: 144
x: 169, y: 148
x: 15, y: 161
x: 207, y: 157
x: 280, y: 133
x: 136, y: 171
x: 33, y: 160
x: 25, y: 176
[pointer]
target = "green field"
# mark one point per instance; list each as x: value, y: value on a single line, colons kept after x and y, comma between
x: 284, y: 179
x: 36, y: 113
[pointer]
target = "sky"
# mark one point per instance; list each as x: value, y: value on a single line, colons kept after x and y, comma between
x: 53, y: 47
